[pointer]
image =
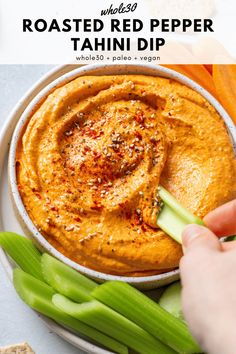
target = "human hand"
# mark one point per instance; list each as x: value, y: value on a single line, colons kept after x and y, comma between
x: 208, y: 275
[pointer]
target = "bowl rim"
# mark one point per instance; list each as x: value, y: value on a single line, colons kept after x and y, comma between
x: 98, y: 69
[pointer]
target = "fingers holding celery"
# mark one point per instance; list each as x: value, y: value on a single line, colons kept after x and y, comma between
x: 209, y: 281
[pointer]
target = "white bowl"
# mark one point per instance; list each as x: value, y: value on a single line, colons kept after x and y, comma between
x: 145, y: 282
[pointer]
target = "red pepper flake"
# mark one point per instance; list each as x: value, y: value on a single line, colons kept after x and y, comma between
x: 38, y: 196
x: 143, y: 228
x: 123, y: 204
x: 87, y: 148
x: 138, y: 135
x: 77, y: 219
x: 139, y: 118
x: 53, y: 208
x: 96, y: 155
x: 92, y: 133
x: 120, y: 154
x: 97, y: 207
x: 137, y: 220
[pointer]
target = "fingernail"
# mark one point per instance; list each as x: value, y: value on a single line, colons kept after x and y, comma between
x: 189, y: 234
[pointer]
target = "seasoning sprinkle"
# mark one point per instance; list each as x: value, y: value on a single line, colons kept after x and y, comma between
x: 68, y: 133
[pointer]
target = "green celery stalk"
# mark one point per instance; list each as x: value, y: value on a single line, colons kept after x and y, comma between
x: 170, y: 300
x: 66, y: 280
x: 38, y: 296
x: 113, y: 324
x: 146, y: 313
x: 230, y: 238
x: 173, y: 217
x: 23, y: 252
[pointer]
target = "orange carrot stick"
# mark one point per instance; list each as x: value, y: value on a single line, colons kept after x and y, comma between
x: 224, y: 77
x: 209, y: 68
x: 196, y: 72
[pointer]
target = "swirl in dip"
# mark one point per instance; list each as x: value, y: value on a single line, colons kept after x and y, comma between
x: 93, y: 154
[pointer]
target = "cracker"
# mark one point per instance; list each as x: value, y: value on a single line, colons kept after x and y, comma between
x: 22, y: 348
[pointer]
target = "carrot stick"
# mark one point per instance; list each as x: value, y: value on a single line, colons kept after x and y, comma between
x: 209, y: 68
x: 196, y: 72
x: 224, y: 77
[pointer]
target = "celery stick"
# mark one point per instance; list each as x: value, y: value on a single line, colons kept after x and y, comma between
x: 171, y: 223
x: 170, y: 300
x: 173, y: 217
x: 23, y: 252
x: 113, y: 324
x: 38, y: 295
x: 146, y: 313
x: 66, y: 280
x: 177, y: 207
x: 230, y: 238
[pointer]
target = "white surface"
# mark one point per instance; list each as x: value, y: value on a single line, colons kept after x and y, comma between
x: 17, y: 322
